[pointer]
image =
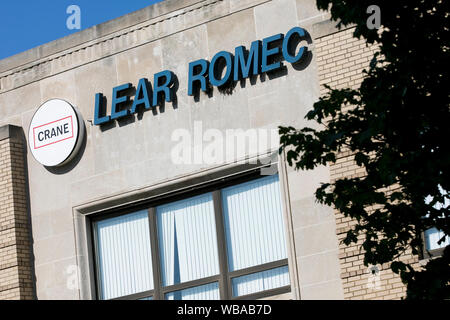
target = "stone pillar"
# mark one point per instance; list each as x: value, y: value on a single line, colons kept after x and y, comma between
x: 16, y: 276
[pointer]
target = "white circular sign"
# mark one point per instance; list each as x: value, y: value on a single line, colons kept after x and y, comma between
x: 56, y: 133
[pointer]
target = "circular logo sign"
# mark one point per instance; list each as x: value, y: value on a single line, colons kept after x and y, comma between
x: 56, y: 133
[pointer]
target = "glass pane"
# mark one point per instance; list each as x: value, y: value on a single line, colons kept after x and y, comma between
x: 124, y: 255
x: 147, y: 298
x: 206, y: 292
x: 261, y: 281
x: 187, y: 240
x: 254, y: 225
x: 432, y: 236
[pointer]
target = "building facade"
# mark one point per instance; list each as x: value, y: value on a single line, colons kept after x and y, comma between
x: 155, y: 198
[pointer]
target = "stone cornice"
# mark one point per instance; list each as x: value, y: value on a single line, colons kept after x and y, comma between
x: 187, y: 14
x: 97, y: 31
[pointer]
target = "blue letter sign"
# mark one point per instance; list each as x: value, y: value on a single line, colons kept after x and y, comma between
x: 264, y: 57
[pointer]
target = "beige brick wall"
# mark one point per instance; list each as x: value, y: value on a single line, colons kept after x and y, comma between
x: 341, y: 60
x: 16, y: 281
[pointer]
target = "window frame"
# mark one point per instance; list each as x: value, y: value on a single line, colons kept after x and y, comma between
x: 429, y: 254
x: 224, y: 278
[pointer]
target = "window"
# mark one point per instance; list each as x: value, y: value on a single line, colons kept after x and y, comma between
x: 254, y: 235
x: 221, y: 242
x: 432, y: 237
x: 124, y: 255
x: 188, y: 246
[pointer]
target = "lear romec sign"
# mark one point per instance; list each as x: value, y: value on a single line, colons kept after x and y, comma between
x: 56, y: 133
x: 260, y: 58
x: 57, y: 128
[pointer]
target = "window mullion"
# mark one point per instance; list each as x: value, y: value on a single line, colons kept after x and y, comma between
x: 259, y: 268
x: 224, y: 286
x: 157, y: 280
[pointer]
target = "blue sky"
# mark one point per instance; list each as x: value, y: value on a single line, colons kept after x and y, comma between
x: 25, y: 24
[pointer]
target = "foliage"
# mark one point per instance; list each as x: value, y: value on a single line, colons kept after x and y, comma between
x: 398, y: 127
